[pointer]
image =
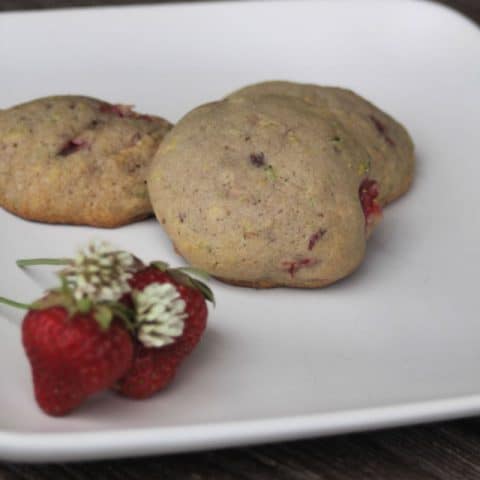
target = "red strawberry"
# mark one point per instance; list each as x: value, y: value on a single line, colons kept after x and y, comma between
x: 164, y: 307
x: 154, y: 367
x: 77, y: 337
x: 73, y: 356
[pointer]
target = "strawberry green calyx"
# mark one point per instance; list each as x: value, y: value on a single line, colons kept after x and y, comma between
x: 59, y: 298
x: 53, y: 298
x: 103, y: 312
x: 125, y: 314
x: 160, y: 314
x: 186, y: 276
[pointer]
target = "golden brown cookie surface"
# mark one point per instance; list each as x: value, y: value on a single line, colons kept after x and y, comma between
x: 389, y: 146
x: 264, y: 192
x: 77, y: 160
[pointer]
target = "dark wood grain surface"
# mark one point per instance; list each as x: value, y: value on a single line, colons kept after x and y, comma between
x: 443, y: 451
x: 470, y: 8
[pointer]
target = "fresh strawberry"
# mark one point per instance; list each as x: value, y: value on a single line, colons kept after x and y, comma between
x: 171, y: 316
x: 193, y: 293
x: 77, y: 337
x: 73, y: 356
x: 152, y: 370
x: 165, y: 309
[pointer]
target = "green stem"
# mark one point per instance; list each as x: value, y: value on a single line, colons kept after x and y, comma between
x: 12, y: 303
x: 125, y: 313
x: 28, y: 262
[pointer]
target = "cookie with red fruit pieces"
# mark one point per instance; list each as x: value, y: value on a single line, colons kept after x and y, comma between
x: 391, y: 159
x: 77, y: 160
x: 264, y: 192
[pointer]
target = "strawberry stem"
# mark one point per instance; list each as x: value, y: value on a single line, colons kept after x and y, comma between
x: 125, y: 313
x: 13, y: 303
x: 28, y: 262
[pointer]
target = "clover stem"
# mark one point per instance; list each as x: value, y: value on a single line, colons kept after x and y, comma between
x: 28, y: 262
x: 13, y: 303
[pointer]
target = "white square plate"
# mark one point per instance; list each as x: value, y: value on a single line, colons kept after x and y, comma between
x: 396, y: 343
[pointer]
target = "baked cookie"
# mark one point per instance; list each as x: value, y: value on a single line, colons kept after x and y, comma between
x: 390, y: 149
x: 77, y: 160
x: 265, y: 192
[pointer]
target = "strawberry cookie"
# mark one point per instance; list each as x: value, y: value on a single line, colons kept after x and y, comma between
x: 266, y: 191
x: 77, y: 160
x: 390, y: 149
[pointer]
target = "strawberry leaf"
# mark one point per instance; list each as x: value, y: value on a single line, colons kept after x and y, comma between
x: 194, y: 271
x: 64, y: 285
x: 56, y: 298
x: 84, y: 305
x: 124, y: 313
x: 180, y: 277
x: 162, y: 266
x: 204, y: 289
x: 186, y: 276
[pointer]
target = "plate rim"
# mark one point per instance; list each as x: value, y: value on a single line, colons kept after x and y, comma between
x: 114, y: 443
x: 109, y: 444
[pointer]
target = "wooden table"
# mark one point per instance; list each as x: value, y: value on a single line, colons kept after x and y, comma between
x: 443, y: 451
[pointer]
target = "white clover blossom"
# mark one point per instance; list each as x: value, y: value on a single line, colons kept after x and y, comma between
x: 160, y: 314
x: 100, y: 273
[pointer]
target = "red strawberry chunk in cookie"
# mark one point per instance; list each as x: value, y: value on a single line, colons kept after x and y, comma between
x: 292, y: 267
x: 72, y: 146
x: 117, y: 109
x: 123, y: 111
x: 368, y: 193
